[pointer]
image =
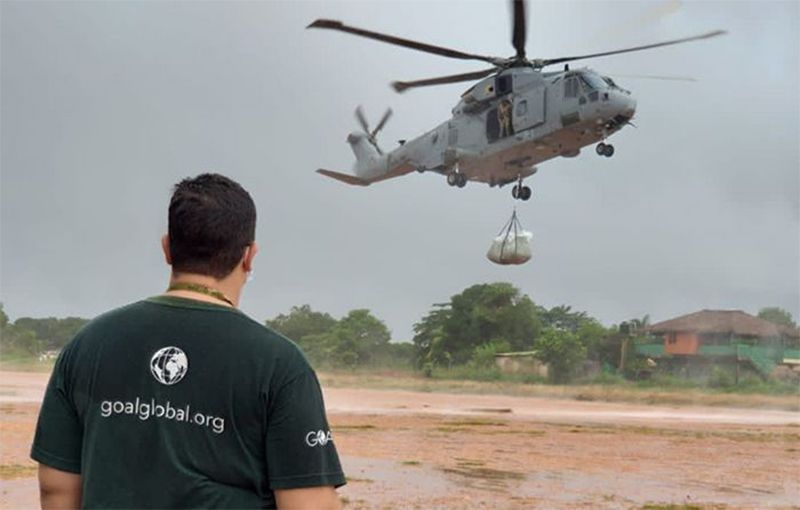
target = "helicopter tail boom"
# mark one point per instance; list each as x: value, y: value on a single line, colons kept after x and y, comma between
x: 363, y: 149
x: 348, y: 179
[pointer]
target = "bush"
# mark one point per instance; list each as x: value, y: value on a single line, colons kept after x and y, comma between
x: 562, y: 351
x: 605, y: 378
x: 483, y: 355
x: 668, y: 382
x: 468, y: 371
x: 721, y: 378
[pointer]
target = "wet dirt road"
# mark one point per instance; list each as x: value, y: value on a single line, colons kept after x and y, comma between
x: 404, y: 449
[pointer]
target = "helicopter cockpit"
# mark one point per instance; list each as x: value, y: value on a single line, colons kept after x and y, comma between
x: 586, y: 82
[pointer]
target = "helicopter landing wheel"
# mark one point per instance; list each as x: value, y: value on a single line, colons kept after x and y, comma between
x: 520, y: 192
x: 608, y: 151
x: 601, y: 149
x: 461, y: 180
x: 452, y: 179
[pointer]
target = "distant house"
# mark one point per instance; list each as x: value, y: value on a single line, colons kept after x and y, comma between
x: 724, y: 335
x: 523, y: 362
x: 49, y: 355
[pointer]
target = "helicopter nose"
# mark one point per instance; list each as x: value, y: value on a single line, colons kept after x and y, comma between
x: 629, y: 107
x: 623, y: 104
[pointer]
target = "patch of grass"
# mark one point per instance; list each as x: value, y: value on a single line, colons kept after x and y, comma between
x: 533, y: 432
x: 468, y: 372
x: 671, y: 506
x: 14, y: 362
x: 365, y: 426
x: 449, y: 430
x: 730, y: 435
x: 469, y: 462
x: 484, y: 473
x: 661, y: 390
x: 362, y: 480
x: 467, y: 422
x: 499, y: 410
x: 12, y: 471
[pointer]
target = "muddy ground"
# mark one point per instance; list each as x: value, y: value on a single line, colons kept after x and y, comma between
x: 405, y: 449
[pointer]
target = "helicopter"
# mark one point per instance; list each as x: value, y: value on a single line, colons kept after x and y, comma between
x: 515, y: 117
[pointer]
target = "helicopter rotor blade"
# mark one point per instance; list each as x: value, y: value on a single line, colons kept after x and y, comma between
x: 520, y: 32
x: 551, y: 61
x: 407, y: 43
x: 362, y: 119
x: 402, y: 86
x: 655, y: 77
x: 382, y: 123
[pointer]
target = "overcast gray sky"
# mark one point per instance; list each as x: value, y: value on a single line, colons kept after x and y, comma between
x: 106, y: 105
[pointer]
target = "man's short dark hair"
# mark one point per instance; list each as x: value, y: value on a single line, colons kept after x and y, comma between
x: 212, y: 219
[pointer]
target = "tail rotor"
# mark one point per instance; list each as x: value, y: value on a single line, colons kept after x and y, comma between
x: 362, y: 120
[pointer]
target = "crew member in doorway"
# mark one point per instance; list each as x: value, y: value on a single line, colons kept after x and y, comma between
x: 504, y: 118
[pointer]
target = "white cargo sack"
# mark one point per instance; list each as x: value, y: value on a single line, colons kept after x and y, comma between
x: 513, y: 245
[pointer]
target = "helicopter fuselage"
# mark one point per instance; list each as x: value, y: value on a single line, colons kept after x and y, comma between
x: 505, y: 125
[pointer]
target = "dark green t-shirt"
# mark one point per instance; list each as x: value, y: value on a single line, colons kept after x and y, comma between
x: 177, y: 403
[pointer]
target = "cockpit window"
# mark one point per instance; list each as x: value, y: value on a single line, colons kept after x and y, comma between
x: 610, y: 82
x: 571, y: 87
x: 593, y: 82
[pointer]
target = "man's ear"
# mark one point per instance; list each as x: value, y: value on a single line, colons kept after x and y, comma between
x: 165, y: 249
x: 249, y: 254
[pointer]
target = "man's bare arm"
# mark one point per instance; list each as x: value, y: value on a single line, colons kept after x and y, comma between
x: 317, y: 498
x: 59, y: 490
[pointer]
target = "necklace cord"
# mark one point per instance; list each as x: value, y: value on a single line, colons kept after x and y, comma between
x: 202, y: 289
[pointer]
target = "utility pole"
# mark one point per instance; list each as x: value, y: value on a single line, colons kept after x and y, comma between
x: 625, y: 331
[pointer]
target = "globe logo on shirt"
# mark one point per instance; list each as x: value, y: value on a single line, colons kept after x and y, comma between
x: 168, y: 365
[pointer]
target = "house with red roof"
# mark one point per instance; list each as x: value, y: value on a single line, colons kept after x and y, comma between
x: 714, y: 336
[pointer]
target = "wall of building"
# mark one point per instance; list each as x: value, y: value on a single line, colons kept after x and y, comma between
x: 521, y: 365
x: 681, y: 343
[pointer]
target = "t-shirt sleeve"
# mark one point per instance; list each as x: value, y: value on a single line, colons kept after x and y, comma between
x: 59, y: 433
x: 300, y: 448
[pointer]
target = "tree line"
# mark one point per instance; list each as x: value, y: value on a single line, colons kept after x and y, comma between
x: 466, y: 331
x: 29, y: 336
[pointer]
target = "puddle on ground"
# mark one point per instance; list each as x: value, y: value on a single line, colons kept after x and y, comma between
x: 398, y: 484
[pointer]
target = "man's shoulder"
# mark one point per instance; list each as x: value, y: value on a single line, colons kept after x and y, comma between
x: 112, y: 318
x: 148, y: 317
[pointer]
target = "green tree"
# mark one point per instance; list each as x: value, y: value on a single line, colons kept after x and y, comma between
x: 18, y: 340
x: 483, y: 356
x: 562, y: 318
x: 428, y: 335
x: 367, y: 336
x: 777, y: 316
x: 639, y: 326
x: 596, y: 339
x: 359, y: 338
x: 301, y: 321
x: 397, y: 354
x: 479, y: 315
x: 3, y: 319
x: 562, y: 351
x: 53, y: 333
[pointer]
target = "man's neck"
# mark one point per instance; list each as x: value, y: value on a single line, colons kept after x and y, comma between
x: 225, y: 286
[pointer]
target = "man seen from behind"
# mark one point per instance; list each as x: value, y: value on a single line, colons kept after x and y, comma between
x: 181, y: 400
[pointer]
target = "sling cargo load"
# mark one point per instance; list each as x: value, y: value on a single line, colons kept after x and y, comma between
x: 513, y: 245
